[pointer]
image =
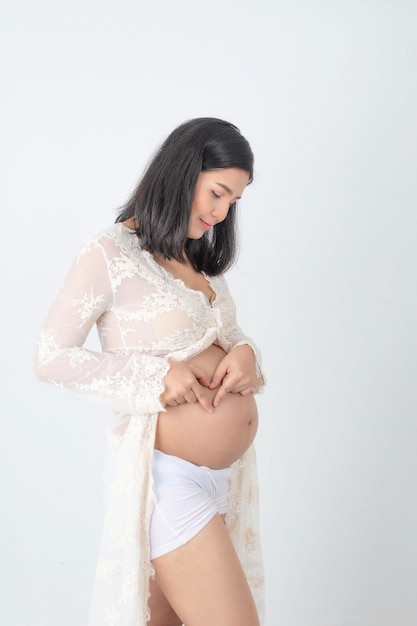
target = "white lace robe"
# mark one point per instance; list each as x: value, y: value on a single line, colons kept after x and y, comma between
x: 143, y: 316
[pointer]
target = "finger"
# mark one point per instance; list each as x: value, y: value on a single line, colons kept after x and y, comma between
x: 215, y: 382
x: 203, y: 380
x: 219, y: 395
x: 247, y: 391
x: 164, y: 399
x: 190, y: 397
x: 200, y: 376
x: 238, y: 387
x: 233, y: 383
x: 171, y: 402
x: 219, y: 373
x: 203, y: 399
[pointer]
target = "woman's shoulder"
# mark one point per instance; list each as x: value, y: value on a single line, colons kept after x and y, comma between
x: 113, y: 241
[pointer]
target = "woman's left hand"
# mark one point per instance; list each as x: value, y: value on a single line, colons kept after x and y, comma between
x: 236, y: 373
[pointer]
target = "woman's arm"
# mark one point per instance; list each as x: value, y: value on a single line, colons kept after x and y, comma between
x: 240, y: 371
x: 126, y: 383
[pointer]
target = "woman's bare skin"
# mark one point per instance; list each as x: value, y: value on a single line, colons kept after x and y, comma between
x: 212, y: 439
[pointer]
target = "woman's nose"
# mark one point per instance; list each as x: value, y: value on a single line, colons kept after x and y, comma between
x: 220, y: 211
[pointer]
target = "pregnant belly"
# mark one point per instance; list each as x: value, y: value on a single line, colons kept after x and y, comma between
x: 212, y: 439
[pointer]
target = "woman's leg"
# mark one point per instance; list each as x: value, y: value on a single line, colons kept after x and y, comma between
x: 162, y: 613
x: 204, y: 582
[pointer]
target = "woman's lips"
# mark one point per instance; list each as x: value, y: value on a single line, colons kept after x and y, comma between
x: 205, y: 224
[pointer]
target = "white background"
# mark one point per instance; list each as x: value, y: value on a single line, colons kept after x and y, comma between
x: 326, y: 93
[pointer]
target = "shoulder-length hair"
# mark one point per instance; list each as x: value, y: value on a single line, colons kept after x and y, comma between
x: 161, y: 203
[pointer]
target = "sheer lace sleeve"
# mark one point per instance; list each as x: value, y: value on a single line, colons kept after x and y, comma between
x: 131, y: 382
x: 237, y: 337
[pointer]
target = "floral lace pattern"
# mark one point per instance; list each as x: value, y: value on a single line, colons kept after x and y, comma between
x: 144, y: 316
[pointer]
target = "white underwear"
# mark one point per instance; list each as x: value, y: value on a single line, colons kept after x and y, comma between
x: 188, y: 496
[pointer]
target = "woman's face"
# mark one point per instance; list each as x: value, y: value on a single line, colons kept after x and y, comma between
x: 215, y: 191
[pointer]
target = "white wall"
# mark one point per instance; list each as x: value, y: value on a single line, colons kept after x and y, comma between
x: 326, y: 92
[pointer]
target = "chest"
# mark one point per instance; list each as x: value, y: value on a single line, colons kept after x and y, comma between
x: 161, y: 308
x: 189, y: 276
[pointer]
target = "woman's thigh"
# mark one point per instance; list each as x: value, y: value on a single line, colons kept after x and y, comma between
x: 203, y: 580
x: 162, y: 614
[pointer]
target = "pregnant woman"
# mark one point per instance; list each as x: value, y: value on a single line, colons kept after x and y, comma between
x: 180, y: 540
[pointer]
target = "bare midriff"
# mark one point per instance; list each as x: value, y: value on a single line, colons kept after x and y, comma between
x: 212, y: 439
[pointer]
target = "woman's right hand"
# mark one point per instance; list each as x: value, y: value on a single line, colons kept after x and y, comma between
x: 186, y: 382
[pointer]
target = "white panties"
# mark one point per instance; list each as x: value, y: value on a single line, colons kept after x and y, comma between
x: 188, y: 496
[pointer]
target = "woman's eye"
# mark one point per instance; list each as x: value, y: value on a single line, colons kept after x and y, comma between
x: 216, y: 195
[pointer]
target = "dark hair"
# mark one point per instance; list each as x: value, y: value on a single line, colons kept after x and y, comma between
x: 161, y: 203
